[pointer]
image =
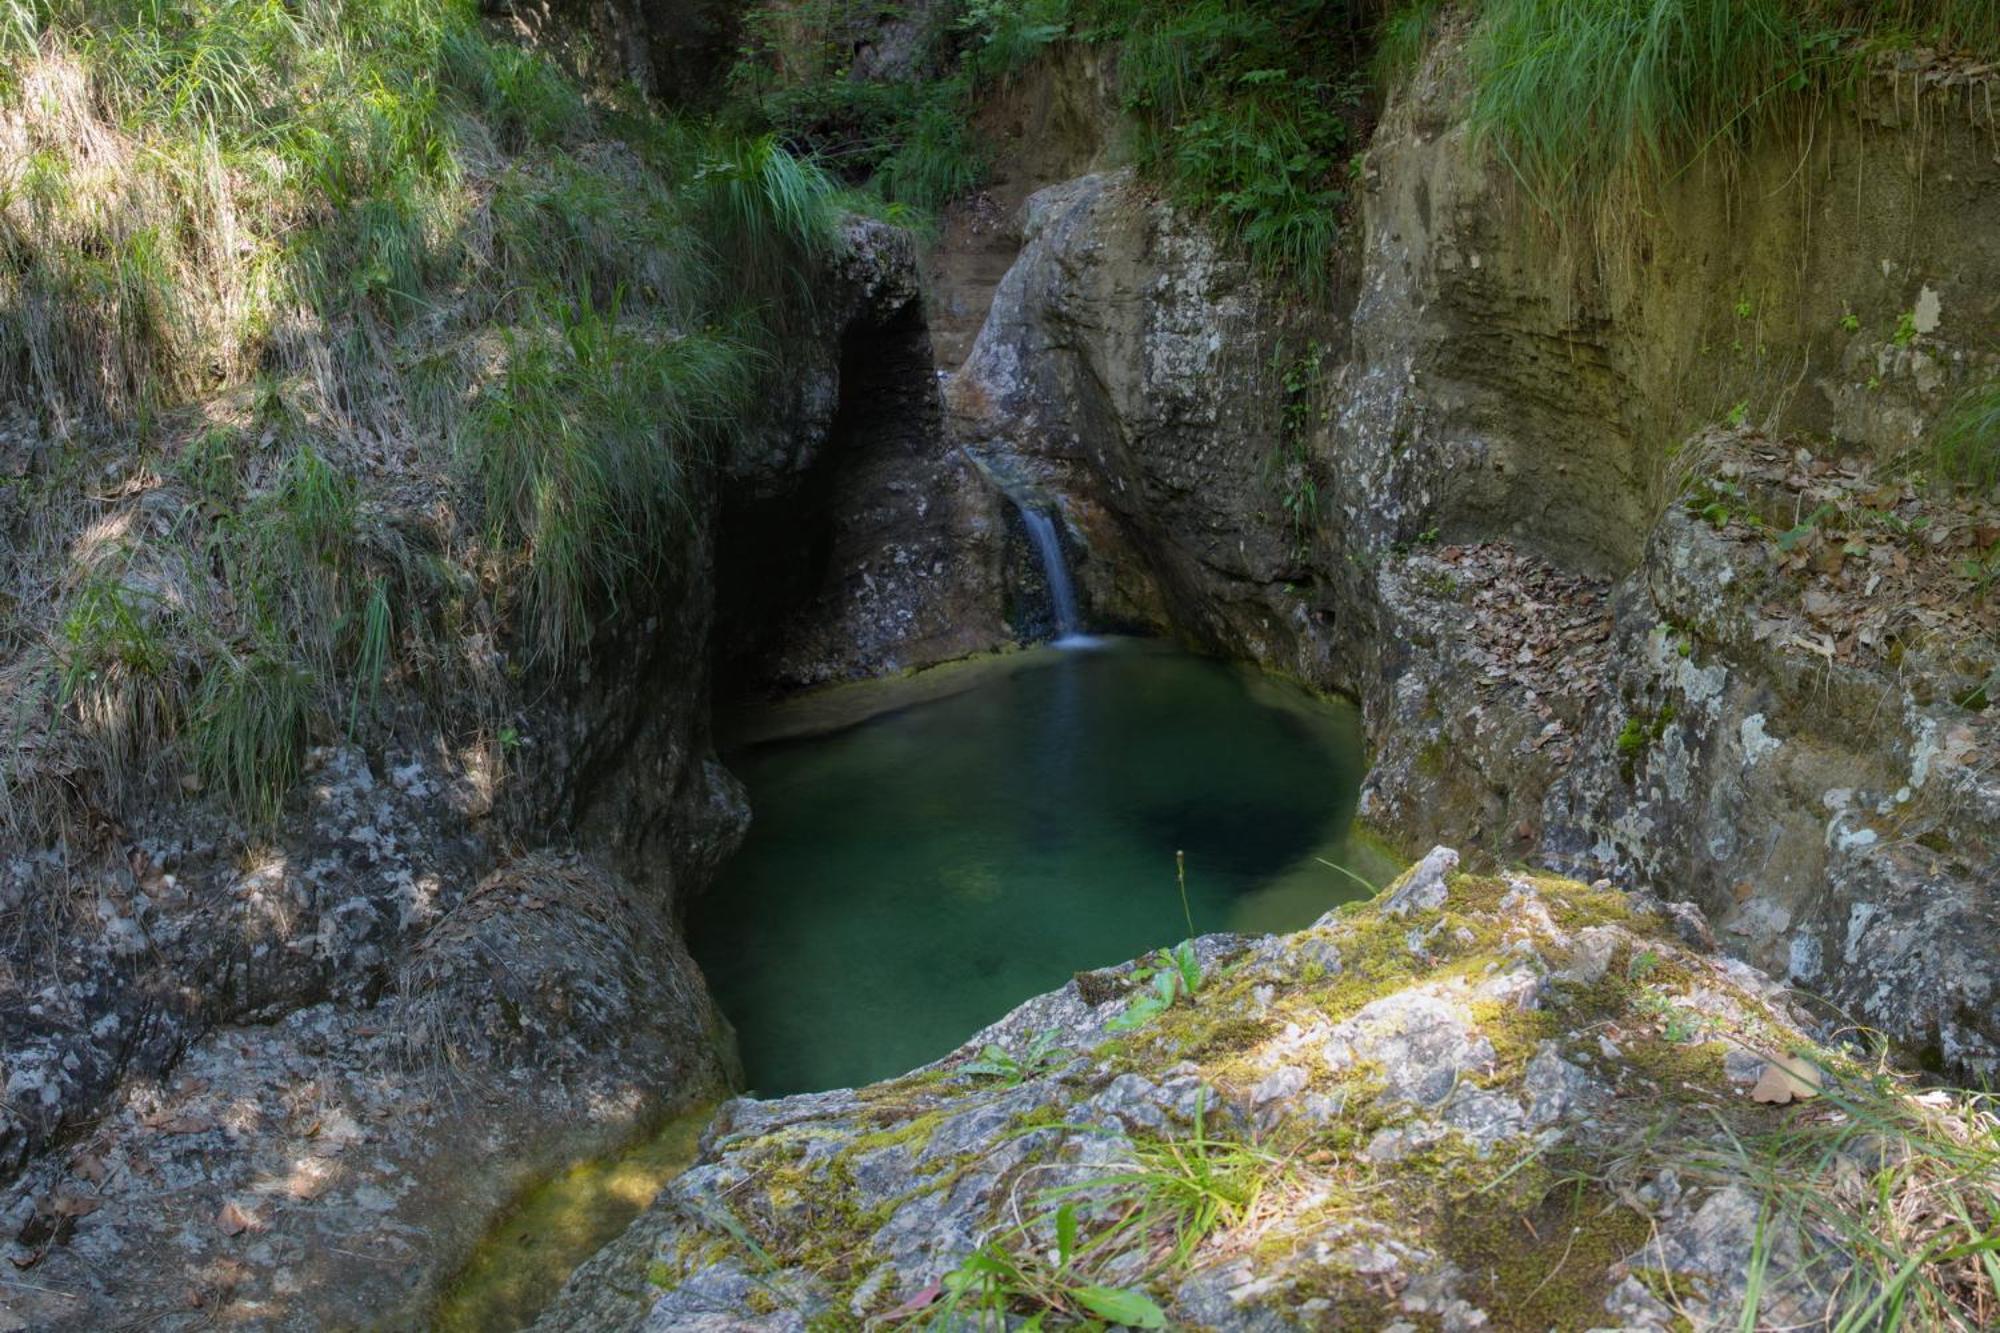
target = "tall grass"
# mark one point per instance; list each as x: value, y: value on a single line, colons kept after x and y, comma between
x: 1889, y: 1188
x: 1577, y: 95
x: 587, y: 445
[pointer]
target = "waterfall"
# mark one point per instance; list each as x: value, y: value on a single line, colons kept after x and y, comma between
x: 1048, y: 544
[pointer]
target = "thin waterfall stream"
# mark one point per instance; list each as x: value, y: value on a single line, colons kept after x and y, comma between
x: 1062, y: 593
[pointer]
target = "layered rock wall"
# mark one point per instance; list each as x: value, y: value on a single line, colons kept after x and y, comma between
x: 1475, y: 490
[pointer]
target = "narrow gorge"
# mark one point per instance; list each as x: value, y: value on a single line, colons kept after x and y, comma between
x: 1015, y: 664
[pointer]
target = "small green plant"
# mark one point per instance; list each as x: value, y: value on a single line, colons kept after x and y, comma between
x: 1006, y: 1274
x: 1744, y: 307
x: 994, y: 1062
x: 371, y: 660
x: 1850, y: 322
x: 1291, y: 464
x: 1139, y: 1220
x: 1739, y: 415
x: 1643, y: 965
x: 1717, y: 501
x: 1677, y: 1024
x: 109, y: 628
x: 1984, y: 571
x: 1790, y: 538
x: 1906, y: 329
x: 1641, y: 732
x: 1171, y: 975
x: 210, y: 466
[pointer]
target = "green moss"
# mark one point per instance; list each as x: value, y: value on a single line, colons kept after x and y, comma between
x: 529, y: 1252
x: 1678, y: 1065
x: 1540, y: 1256
x: 912, y: 1133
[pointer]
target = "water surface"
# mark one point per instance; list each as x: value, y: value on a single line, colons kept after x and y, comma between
x: 911, y: 878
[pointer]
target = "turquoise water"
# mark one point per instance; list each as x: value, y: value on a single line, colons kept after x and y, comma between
x: 911, y: 878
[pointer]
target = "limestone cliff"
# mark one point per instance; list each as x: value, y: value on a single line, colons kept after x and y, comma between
x: 1479, y: 491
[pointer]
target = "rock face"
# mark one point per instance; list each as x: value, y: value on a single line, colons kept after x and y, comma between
x: 1125, y: 368
x: 1371, y: 1107
x: 1473, y: 490
x: 388, y: 957
x: 860, y: 540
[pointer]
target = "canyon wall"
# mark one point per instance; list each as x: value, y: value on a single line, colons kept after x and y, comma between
x: 1561, y: 506
x: 449, y: 968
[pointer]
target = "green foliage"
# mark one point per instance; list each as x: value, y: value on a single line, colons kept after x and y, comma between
x: 109, y: 630
x: 1142, y: 1218
x: 372, y: 658
x: 355, y: 231
x: 584, y: 446
x: 767, y: 213
x: 1170, y: 975
x: 1896, y: 1181
x: 1406, y: 30
x: 1290, y: 467
x: 1576, y: 95
x: 938, y: 159
x: 908, y: 138
x: 1245, y: 109
x: 994, y: 1062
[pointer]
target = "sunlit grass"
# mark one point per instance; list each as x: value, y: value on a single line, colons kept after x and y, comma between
x: 283, y: 243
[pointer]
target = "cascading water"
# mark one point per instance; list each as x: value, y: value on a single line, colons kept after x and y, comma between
x: 1062, y: 595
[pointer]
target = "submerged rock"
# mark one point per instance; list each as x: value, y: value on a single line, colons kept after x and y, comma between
x: 1528, y: 1121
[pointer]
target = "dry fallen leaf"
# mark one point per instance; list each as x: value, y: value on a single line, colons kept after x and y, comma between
x: 233, y: 1220
x: 1786, y: 1081
x: 76, y: 1205
x: 190, y: 1123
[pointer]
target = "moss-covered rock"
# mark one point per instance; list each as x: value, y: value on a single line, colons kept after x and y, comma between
x: 1478, y: 1101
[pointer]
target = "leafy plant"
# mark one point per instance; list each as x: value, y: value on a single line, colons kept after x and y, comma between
x: 1245, y: 110
x: 1171, y: 975
x: 994, y: 1061
x: 999, y: 1277
x: 1144, y: 1217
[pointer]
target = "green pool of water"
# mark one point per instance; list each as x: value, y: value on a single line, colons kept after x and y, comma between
x: 910, y: 878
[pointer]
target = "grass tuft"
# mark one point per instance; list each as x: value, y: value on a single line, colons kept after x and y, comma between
x: 248, y: 728
x: 1965, y: 450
